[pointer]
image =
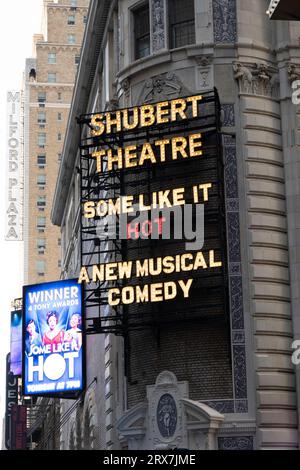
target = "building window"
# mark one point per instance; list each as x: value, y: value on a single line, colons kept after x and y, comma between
x: 59, y: 263
x: 71, y: 19
x: 41, y: 118
x: 59, y: 241
x: 181, y: 23
x: 41, y: 245
x: 41, y: 181
x: 141, y: 31
x: 59, y: 96
x: 51, y: 58
x: 71, y: 39
x: 73, y: 3
x: 77, y: 60
x: 41, y: 202
x: 51, y: 77
x: 59, y: 157
x: 41, y: 224
x: 41, y: 161
x: 59, y: 136
x: 59, y: 116
x: 41, y: 97
x: 40, y: 268
x: 85, y: 19
x: 42, y: 139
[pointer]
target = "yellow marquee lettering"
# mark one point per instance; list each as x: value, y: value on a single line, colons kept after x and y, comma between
x: 156, y: 292
x: 195, y: 145
x: 83, y: 276
x: 147, y: 115
x: 185, y: 286
x: 147, y: 154
x: 142, y: 294
x: 98, y: 274
x: 162, y: 112
x: 142, y: 268
x: 200, y: 261
x: 170, y: 290
x: 113, y: 298
x: 89, y: 210
x: 212, y: 262
x: 194, y: 100
x: 179, y: 145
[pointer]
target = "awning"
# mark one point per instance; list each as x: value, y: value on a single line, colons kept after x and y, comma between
x: 284, y: 10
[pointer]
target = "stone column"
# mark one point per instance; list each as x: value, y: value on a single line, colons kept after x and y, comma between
x: 264, y: 186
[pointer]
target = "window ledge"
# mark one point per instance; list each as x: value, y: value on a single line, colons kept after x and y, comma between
x: 146, y: 62
x: 164, y: 56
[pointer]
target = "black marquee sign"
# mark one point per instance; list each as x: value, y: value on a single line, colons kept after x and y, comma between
x: 166, y: 157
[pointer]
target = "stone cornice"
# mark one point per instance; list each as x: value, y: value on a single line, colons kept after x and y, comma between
x: 51, y: 86
x: 56, y: 46
x: 66, y: 8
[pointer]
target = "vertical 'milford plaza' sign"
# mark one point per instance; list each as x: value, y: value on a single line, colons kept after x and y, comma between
x: 14, y: 192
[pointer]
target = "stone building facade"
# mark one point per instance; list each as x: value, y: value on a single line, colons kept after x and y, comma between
x: 252, y: 404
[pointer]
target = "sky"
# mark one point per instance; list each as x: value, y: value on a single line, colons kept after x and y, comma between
x: 19, y: 21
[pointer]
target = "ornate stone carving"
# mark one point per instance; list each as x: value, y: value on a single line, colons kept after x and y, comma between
x: 239, y: 365
x: 238, y: 337
x: 234, y: 258
x: 166, y: 378
x: 204, y: 77
x: 224, y: 14
x: 293, y: 73
x: 257, y: 79
x: 231, y: 172
x: 165, y: 409
x: 233, y: 236
x: 158, y: 25
x: 166, y: 415
x: 236, y: 302
x: 224, y: 407
x: 232, y: 205
x: 234, y: 269
x: 241, y: 406
x: 204, y: 60
x: 125, y: 85
x: 236, y: 443
x: 125, y: 88
x: 244, y: 77
x: 161, y: 87
x: 227, y: 115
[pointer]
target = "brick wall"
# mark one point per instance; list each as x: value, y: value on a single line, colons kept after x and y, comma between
x: 198, y: 353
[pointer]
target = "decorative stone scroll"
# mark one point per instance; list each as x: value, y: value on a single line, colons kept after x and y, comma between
x: 257, y: 79
x: 224, y: 13
x: 158, y: 25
